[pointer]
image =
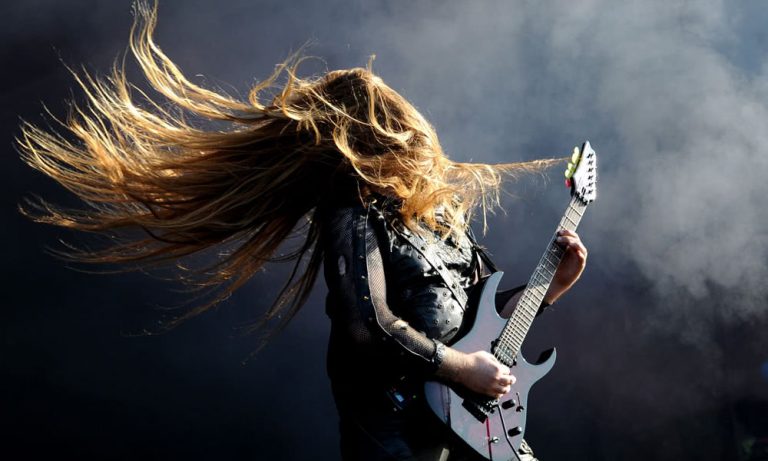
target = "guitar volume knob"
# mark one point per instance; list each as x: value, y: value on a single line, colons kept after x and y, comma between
x: 507, y: 404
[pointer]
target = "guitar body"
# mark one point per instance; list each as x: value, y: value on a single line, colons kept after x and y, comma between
x: 500, y: 434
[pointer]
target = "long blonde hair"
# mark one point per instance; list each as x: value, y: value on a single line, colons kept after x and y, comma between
x: 249, y: 178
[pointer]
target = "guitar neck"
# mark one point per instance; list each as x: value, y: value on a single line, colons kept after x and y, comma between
x: 512, y: 336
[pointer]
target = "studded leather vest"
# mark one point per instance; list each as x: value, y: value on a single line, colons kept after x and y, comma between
x: 427, y: 278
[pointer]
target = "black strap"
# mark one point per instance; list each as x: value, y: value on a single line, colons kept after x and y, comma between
x: 427, y: 251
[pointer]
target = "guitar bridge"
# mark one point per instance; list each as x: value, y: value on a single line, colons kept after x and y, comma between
x: 480, y: 409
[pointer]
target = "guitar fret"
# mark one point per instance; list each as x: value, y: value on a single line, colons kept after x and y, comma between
x: 534, y: 303
x: 544, y: 276
x: 548, y: 269
x: 519, y: 318
x: 530, y: 310
x: 551, y: 257
x: 522, y: 320
x: 530, y: 298
x: 539, y: 292
x: 574, y: 209
x: 530, y: 302
x: 553, y: 263
x: 539, y: 289
x: 527, y: 312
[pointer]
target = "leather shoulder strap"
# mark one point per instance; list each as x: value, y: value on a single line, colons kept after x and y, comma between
x: 427, y: 251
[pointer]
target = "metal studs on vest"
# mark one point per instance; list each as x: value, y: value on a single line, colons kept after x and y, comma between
x: 427, y: 276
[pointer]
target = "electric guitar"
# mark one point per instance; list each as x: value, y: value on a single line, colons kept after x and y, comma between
x: 495, y: 428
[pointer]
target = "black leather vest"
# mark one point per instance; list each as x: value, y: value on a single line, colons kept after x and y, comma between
x: 427, y: 278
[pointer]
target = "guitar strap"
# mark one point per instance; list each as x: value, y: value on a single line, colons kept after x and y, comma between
x: 427, y: 251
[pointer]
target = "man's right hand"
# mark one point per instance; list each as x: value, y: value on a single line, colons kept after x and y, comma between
x: 479, y: 372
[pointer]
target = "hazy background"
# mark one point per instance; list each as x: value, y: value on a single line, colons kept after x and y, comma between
x: 663, y: 351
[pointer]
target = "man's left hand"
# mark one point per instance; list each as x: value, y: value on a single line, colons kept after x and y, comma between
x: 571, y: 265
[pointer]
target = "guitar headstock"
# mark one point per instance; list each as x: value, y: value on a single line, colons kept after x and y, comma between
x: 581, y: 174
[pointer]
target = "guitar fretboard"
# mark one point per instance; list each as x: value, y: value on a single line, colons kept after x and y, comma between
x: 516, y: 329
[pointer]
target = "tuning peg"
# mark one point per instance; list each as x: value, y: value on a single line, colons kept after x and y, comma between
x: 576, y: 154
x: 568, y: 173
x: 568, y: 182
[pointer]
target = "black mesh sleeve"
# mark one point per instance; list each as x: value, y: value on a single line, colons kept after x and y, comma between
x: 357, y: 284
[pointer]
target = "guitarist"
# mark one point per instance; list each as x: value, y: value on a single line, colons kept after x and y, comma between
x: 394, y: 315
